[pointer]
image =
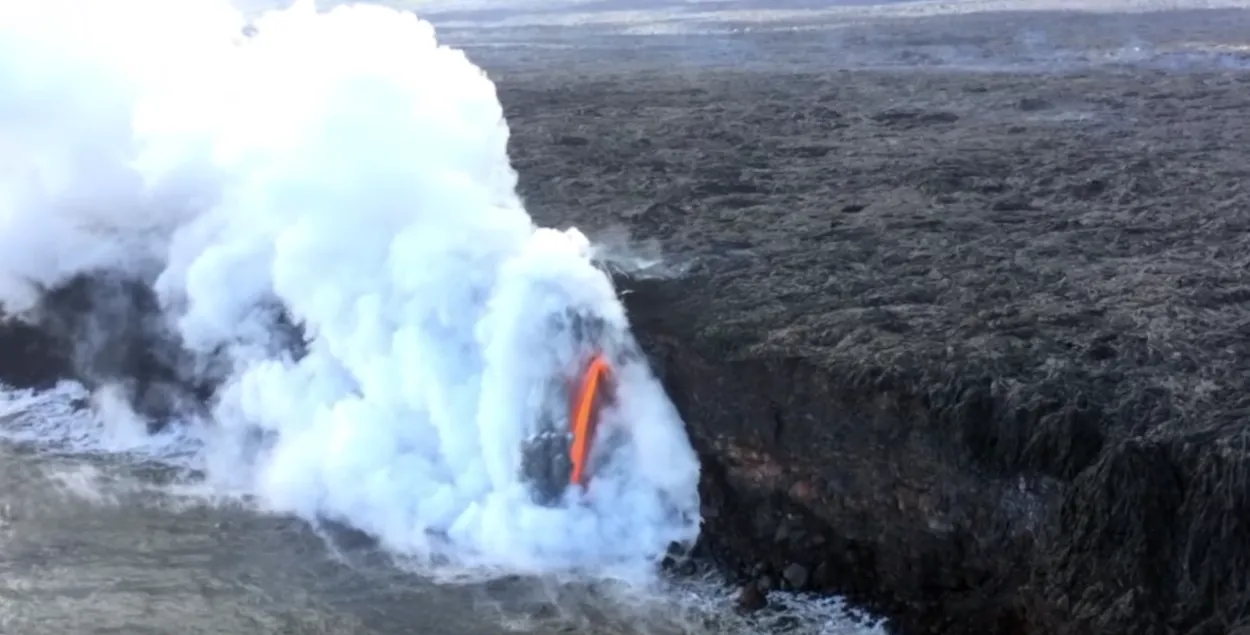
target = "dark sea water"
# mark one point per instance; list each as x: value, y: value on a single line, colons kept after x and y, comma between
x: 117, y: 544
x: 87, y: 545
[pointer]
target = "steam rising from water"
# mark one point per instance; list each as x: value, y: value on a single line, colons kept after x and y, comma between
x: 345, y: 167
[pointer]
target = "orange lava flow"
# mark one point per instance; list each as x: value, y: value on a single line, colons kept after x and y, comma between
x: 583, y: 419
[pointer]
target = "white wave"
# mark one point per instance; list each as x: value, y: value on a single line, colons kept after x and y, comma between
x: 70, y: 419
x: 349, y: 168
x: 695, y: 605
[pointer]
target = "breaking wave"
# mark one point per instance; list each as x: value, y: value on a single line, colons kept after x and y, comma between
x: 322, y: 206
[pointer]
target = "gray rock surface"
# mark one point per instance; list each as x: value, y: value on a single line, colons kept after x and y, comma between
x: 984, y: 335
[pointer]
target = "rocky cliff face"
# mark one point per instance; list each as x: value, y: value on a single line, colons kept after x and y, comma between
x: 864, y: 481
x: 947, y: 501
x: 944, y: 345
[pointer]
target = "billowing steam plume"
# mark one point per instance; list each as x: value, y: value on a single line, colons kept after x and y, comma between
x: 342, y: 175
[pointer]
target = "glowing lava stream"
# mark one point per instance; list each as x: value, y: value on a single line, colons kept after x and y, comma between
x: 584, y: 417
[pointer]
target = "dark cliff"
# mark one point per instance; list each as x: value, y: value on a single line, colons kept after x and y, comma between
x: 949, y: 348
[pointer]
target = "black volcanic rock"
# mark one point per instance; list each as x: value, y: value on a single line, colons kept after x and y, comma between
x: 100, y: 328
x: 973, y: 417
x: 30, y: 357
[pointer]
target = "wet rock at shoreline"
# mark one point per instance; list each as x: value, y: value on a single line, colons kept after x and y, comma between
x: 752, y: 598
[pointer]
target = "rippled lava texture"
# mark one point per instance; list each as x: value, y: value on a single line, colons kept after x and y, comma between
x: 972, y: 348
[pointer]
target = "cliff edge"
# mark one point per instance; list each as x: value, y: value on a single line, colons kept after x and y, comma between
x: 972, y: 348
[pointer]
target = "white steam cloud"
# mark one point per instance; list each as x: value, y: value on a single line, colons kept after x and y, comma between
x: 344, y: 166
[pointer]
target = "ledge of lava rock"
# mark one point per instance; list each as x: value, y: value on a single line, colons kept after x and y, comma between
x: 102, y: 328
x: 981, y: 370
x: 1067, y: 482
